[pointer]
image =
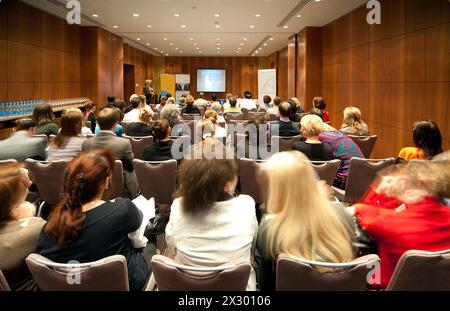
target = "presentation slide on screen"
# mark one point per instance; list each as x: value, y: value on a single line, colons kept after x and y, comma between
x: 211, y: 80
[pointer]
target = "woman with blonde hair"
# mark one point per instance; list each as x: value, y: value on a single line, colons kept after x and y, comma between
x: 213, y: 116
x: 205, y: 129
x: 301, y: 222
x: 353, y: 124
x: 142, y: 127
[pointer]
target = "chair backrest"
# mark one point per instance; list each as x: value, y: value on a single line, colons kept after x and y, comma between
x: 4, y: 287
x: 327, y: 170
x: 234, y: 116
x: 138, y: 144
x: 422, y: 271
x: 190, y: 117
x: 365, y: 143
x: 294, y: 274
x: 256, y: 114
x: 274, y: 117
x: 191, y: 124
x: 116, y: 186
x: 10, y: 161
x: 245, y: 113
x: 361, y: 173
x: 108, y: 274
x: 48, y: 178
x: 171, y: 276
x: 250, y: 184
x: 285, y: 143
x: 157, y: 179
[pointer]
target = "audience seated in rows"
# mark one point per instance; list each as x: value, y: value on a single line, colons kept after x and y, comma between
x: 233, y: 109
x: 404, y: 210
x: 191, y: 108
x: 90, y: 109
x: 284, y: 127
x: 208, y: 226
x: 216, y: 106
x: 108, y: 119
x: 427, y: 140
x: 133, y: 115
x: 353, y: 124
x: 200, y: 101
x: 19, y: 229
x: 274, y: 109
x: 298, y: 104
x: 162, y: 103
x: 85, y: 228
x: 301, y: 221
x: 141, y: 128
x: 266, y: 102
x: 319, y: 103
x: 43, y: 117
x: 21, y: 145
x: 68, y: 144
x: 172, y: 115
x: 213, y: 116
x: 312, y: 127
x: 247, y: 102
x: 161, y: 150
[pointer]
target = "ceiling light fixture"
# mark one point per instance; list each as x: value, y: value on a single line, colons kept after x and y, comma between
x: 183, y: 26
x: 217, y: 26
x: 135, y: 15
x: 216, y: 15
x: 251, y: 26
x: 95, y: 15
x: 165, y: 39
x: 171, y: 43
x: 258, y: 15
x: 176, y: 15
x: 149, y: 26
x: 115, y: 26
x: 285, y: 26
x: 299, y: 15
x: 139, y: 39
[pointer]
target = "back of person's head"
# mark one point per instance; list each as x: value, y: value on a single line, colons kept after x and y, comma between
x: 294, y: 106
x: 111, y: 99
x: 205, y: 129
x: 89, y: 106
x: 145, y: 114
x: 136, y: 102
x: 190, y: 100
x: 255, y: 122
x: 233, y: 101
x: 316, y: 112
x: 201, y: 95
x: 133, y: 96
x: 143, y: 99
x: 207, y: 180
x: 14, y: 184
x: 277, y: 101
x: 247, y: 95
x: 43, y: 114
x: 71, y: 124
x: 297, y: 102
x: 305, y: 224
x: 87, y: 176
x: 163, y: 100
x: 171, y: 114
x: 285, y: 109
x: 267, y: 99
x: 427, y: 136
x: 108, y: 118
x: 211, y: 115
x: 319, y: 102
x: 25, y: 124
x: 214, y: 97
x: 353, y: 121
x: 161, y: 129
x: 229, y: 95
x: 171, y: 101
x: 311, y: 125
x: 148, y: 82
x: 217, y: 107
x: 119, y: 103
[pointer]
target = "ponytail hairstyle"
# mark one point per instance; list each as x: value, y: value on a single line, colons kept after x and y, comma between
x: 71, y: 124
x: 211, y: 115
x: 85, y: 179
x: 160, y: 129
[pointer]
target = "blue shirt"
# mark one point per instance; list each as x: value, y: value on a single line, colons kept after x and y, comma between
x: 118, y: 130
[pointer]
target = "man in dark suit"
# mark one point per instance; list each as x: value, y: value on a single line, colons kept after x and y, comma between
x: 284, y: 126
x: 107, y: 120
x: 21, y: 145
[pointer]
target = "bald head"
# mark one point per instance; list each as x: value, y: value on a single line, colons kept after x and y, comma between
x: 285, y: 109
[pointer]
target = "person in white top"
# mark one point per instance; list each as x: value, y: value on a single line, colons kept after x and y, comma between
x: 133, y: 115
x: 201, y: 101
x: 208, y: 226
x: 247, y: 102
x: 274, y: 109
x: 213, y: 116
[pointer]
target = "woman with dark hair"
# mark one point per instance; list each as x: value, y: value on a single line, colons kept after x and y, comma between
x: 209, y: 226
x: 68, y: 143
x: 19, y: 229
x: 161, y: 150
x: 319, y: 102
x: 85, y: 228
x: 43, y: 118
x: 427, y: 140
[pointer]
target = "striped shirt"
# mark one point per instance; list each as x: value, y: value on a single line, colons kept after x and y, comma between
x: 67, y: 152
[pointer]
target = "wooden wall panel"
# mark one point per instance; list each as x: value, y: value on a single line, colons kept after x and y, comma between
x: 24, y: 62
x: 282, y: 73
x: 3, y: 21
x: 52, y: 32
x: 4, y: 60
x: 142, y: 62
x: 52, y: 65
x: 292, y: 67
x: 24, y: 23
x: 3, y: 92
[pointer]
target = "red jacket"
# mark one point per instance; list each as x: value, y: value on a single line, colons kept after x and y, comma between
x: 399, y: 227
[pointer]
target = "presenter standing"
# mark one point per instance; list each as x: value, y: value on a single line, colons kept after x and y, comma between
x: 149, y: 92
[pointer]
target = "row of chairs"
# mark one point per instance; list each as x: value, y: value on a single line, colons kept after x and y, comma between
x: 416, y: 270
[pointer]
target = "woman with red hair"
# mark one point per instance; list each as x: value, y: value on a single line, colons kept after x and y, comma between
x: 85, y: 228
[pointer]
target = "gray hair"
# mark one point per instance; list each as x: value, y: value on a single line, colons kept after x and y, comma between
x: 217, y: 107
x: 171, y: 114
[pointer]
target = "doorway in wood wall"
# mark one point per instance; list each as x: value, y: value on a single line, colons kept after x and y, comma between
x: 129, y: 83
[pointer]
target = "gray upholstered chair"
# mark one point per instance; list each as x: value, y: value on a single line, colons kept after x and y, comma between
x: 285, y: 143
x: 4, y: 287
x: 250, y: 184
x: 327, y: 170
x: 170, y: 276
x: 295, y: 274
x: 365, y: 143
x: 108, y: 274
x: 422, y: 271
x: 138, y: 144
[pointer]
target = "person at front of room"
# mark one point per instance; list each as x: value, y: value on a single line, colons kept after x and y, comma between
x: 85, y: 228
x: 405, y: 211
x: 149, y: 92
x: 19, y: 229
x: 301, y: 221
x: 427, y: 140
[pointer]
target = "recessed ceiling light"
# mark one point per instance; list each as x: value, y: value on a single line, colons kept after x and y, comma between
x: 139, y: 39
x: 218, y: 44
x: 191, y: 39
x: 176, y: 48
x: 251, y: 26
x: 165, y: 39
x: 265, y: 44
x: 95, y: 15
x: 299, y: 15
x: 260, y: 48
x: 218, y: 48
x: 216, y: 15
x: 176, y: 15
x: 242, y: 43
x: 239, y: 48
x: 258, y: 15
x: 148, y: 44
x: 183, y: 26
x: 245, y: 39
x: 218, y: 39
x: 171, y: 43
x: 162, y: 52
x: 198, y: 48
x: 115, y: 26
x: 135, y: 15
x: 217, y: 26
x: 285, y: 26
x: 149, y: 26
x: 256, y: 52
x: 181, y: 52
x: 156, y: 48
x: 271, y: 39
x: 195, y: 43
x: 317, y: 0
x: 167, y: 54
